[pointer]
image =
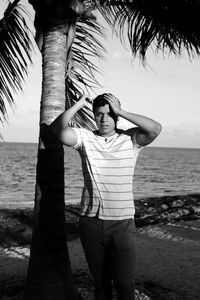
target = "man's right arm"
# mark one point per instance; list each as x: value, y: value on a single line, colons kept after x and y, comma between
x: 60, y: 128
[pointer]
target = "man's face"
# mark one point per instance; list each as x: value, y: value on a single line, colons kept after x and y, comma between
x: 105, y: 120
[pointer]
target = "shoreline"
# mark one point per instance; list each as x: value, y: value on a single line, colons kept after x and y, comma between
x: 75, y: 201
x: 168, y: 259
x: 149, y: 211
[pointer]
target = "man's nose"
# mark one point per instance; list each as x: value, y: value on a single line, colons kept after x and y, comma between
x: 104, y: 118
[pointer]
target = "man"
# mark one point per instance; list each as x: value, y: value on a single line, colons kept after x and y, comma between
x: 108, y: 155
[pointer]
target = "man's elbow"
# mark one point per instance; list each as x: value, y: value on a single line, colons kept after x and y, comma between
x: 157, y: 130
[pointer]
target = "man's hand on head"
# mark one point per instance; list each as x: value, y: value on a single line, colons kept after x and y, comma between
x: 114, y: 103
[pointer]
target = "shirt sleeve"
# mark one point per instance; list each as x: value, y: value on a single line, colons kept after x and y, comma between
x: 134, y: 138
x: 133, y: 133
x: 79, y: 138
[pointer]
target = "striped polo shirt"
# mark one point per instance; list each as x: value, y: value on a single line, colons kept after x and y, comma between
x: 108, y: 165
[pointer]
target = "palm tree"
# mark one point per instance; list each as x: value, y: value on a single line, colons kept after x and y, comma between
x: 49, y: 271
x: 60, y: 33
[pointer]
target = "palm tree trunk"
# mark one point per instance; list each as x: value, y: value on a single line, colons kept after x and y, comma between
x: 49, y: 271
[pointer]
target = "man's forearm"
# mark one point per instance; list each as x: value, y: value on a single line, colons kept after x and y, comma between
x: 144, y: 123
x: 63, y: 120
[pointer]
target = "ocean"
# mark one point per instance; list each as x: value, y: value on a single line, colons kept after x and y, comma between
x: 159, y: 172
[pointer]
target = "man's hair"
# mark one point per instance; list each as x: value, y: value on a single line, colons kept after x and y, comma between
x: 100, y: 101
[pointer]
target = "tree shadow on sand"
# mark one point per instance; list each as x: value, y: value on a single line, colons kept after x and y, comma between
x: 16, y: 226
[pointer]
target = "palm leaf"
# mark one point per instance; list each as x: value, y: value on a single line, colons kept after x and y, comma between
x: 166, y: 24
x: 15, y: 54
x: 80, y: 75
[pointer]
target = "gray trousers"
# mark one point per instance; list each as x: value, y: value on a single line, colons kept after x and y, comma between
x: 109, y: 248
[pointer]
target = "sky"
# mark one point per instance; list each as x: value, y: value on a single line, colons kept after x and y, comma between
x: 167, y: 90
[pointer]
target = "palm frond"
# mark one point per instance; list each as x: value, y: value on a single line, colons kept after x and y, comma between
x: 167, y: 24
x: 81, y: 71
x: 15, y: 54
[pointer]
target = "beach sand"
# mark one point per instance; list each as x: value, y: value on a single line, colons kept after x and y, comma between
x: 168, y: 257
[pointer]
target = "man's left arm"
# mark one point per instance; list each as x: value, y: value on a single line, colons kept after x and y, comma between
x: 148, y: 129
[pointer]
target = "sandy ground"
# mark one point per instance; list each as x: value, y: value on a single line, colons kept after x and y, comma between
x: 168, y: 262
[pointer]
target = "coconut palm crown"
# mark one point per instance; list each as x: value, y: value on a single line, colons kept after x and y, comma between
x: 17, y: 48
